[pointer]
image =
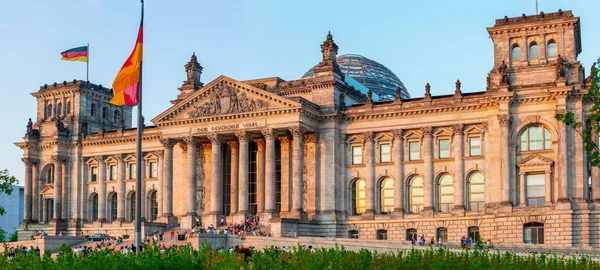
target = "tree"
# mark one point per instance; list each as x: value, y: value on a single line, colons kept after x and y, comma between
x: 6, y: 186
x: 589, y: 129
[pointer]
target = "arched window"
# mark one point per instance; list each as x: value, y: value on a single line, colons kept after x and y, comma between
x: 93, y: 110
x: 446, y: 193
x: 104, y: 113
x: 49, y: 111
x: 415, y: 191
x: 50, y: 175
x: 515, y: 53
x: 536, y: 138
x: 442, y: 235
x: 381, y: 234
x: 551, y: 48
x: 533, y: 233
x: 387, y: 195
x: 59, y: 109
x: 116, y: 116
x: 113, y: 207
x: 476, y: 192
x: 132, y: 206
x: 95, y: 207
x: 153, y: 206
x: 534, y: 51
x: 68, y: 107
x: 359, y: 196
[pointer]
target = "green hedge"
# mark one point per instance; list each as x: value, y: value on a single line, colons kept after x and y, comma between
x: 335, y: 258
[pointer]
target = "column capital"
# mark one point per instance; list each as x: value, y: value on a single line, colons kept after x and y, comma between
x: 368, y: 136
x: 457, y: 129
x: 29, y: 161
x: 397, y: 133
x: 284, y: 139
x: 118, y: 157
x: 58, y: 159
x: 260, y: 143
x: 191, y: 140
x: 159, y: 153
x: 269, y: 133
x: 297, y: 131
x: 167, y: 143
x: 214, y: 138
x: 504, y: 119
x: 242, y: 135
x: 233, y: 145
x: 427, y: 131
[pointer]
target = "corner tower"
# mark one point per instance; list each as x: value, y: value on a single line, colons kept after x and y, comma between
x: 538, y: 50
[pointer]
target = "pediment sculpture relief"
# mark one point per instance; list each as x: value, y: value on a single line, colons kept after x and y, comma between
x: 226, y: 101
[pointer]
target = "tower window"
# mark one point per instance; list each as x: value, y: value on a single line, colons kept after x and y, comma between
x: 534, y: 51
x: 515, y: 53
x: 551, y: 49
x: 93, y: 110
x: 104, y: 113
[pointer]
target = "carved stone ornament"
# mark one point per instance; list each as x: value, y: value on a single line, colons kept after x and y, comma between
x: 228, y: 100
x: 297, y: 131
x: 397, y: 133
x: 503, y: 71
x: 458, y: 129
x: 268, y: 133
x: 242, y: 136
x: 233, y: 145
x: 214, y: 138
x: 427, y: 131
x: 159, y: 153
x: 427, y: 90
x: 368, y: 136
x: 29, y: 161
x: 167, y: 143
x: 458, y: 84
x: 190, y: 140
x: 284, y: 139
x: 504, y: 119
x: 560, y: 67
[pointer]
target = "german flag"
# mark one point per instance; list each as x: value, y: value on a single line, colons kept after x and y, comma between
x: 76, y: 54
x: 126, y: 84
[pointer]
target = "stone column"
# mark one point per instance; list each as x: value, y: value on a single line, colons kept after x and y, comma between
x: 58, y: 163
x: 563, y: 164
x: 191, y: 175
x: 66, y: 194
x: 260, y: 176
x: 548, y: 186
x: 459, y: 167
x: 242, y: 177
x: 505, y: 121
x: 102, y: 189
x: 122, y: 188
x: 523, y: 183
x: 216, y: 188
x: 370, y: 173
x: 35, y: 189
x: 160, y: 192
x: 27, y: 190
x: 44, y: 211
x: 398, y: 171
x: 233, y: 204
x: 168, y: 177
x: 297, y: 174
x: 428, y: 170
x: 269, y: 171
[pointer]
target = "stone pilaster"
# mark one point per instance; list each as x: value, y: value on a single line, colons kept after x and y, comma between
x: 397, y: 156
x: 563, y: 165
x: 102, y: 189
x: 58, y: 163
x: 286, y: 177
x: 121, y: 170
x: 168, y: 177
x: 234, y: 178
x: 505, y: 120
x: 191, y: 176
x: 548, y: 186
x: 269, y: 172
x: 260, y: 176
x: 243, y: 138
x: 297, y: 174
x: 459, y: 170
x: 160, y: 168
x: 428, y: 171
x: 27, y: 189
x: 522, y: 184
x: 369, y: 154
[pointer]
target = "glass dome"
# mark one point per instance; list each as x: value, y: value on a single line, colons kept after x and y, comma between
x: 372, y: 75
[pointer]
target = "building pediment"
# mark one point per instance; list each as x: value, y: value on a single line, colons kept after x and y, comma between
x: 47, y: 191
x: 225, y: 96
x: 535, y: 161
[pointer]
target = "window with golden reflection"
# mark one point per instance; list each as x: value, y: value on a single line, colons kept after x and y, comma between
x: 416, y: 194
x: 359, y: 196
x: 387, y: 196
x: 446, y: 193
x: 476, y: 192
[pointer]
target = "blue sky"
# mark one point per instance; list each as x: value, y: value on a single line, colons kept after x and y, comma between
x: 433, y: 41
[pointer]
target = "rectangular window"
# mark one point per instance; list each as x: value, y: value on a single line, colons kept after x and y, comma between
x: 536, y: 190
x: 356, y: 155
x: 112, y: 172
x: 385, y: 154
x: 442, y: 235
x: 132, y: 171
x: 94, y: 174
x: 444, y: 148
x: 153, y: 169
x: 415, y: 150
x: 475, y: 146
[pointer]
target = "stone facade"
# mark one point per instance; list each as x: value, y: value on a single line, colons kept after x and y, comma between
x: 315, y: 157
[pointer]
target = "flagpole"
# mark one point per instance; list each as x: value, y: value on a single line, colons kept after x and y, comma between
x: 87, y: 71
x: 140, y: 129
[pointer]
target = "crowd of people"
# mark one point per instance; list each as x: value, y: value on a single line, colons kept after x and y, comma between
x: 465, y: 242
x: 14, y: 251
x: 249, y: 228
